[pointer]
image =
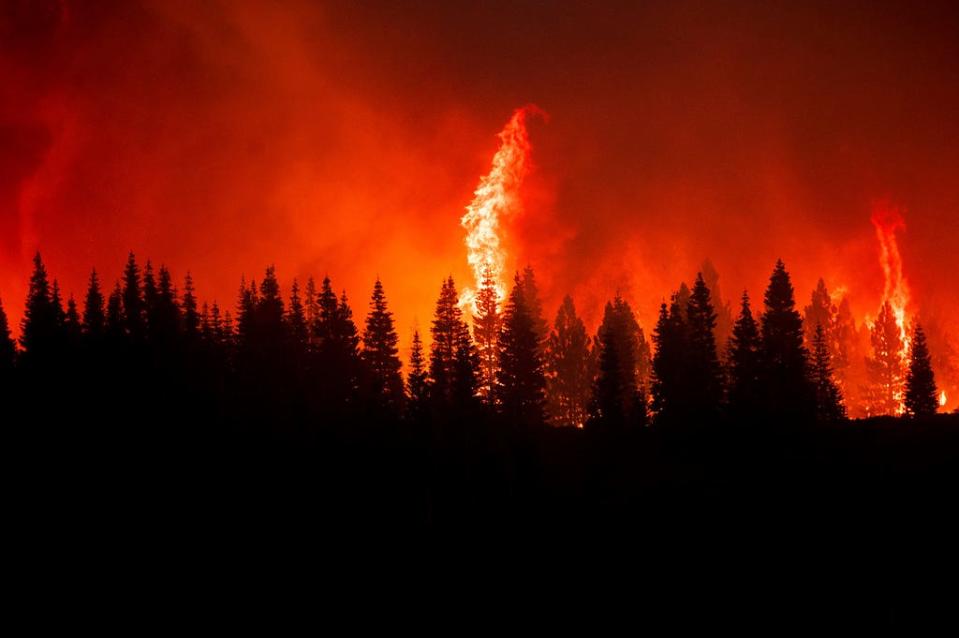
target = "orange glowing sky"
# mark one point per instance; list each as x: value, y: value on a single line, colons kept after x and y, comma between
x: 348, y: 139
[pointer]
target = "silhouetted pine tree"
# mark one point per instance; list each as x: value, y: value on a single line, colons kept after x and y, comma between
x: 72, y: 325
x: 672, y: 396
x: 703, y: 370
x: 829, y: 405
x: 570, y: 368
x: 311, y: 310
x: 217, y: 331
x: 417, y: 381
x: 530, y: 293
x: 133, y: 305
x: 115, y: 330
x: 61, y: 316
x: 337, y: 350
x: 40, y: 332
x: 245, y: 308
x: 921, y: 394
x: 724, y: 313
x: 164, y: 316
x: 8, y: 350
x: 520, y: 380
x: 744, y: 366
x: 296, y: 318
x: 618, y: 400
x: 380, y: 354
x: 191, y: 317
x: 884, y: 391
x: 486, y: 329
x: 785, y: 361
x: 150, y: 294
x: 454, y: 362
x: 94, y: 313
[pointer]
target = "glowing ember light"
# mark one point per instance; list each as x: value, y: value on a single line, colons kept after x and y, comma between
x: 496, y: 196
x: 942, y: 399
x: 888, y: 219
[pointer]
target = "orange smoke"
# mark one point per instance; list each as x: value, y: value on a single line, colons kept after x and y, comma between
x: 496, y: 197
x: 888, y: 219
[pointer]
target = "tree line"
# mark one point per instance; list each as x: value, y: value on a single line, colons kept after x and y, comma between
x: 277, y: 359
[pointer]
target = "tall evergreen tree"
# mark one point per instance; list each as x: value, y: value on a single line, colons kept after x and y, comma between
x: 71, y: 324
x: 311, y: 308
x: 570, y: 368
x: 703, y: 369
x: 530, y: 293
x: 165, y: 314
x: 41, y: 328
x: 94, y: 313
x: 417, y: 381
x: 150, y: 296
x: 454, y: 361
x: 520, y: 380
x: 672, y: 397
x: 337, y: 349
x: 381, y: 354
x: 133, y: 305
x: 744, y: 366
x: 115, y: 329
x: 486, y: 329
x: 724, y: 313
x: 191, y: 316
x: 296, y: 318
x: 785, y: 361
x: 618, y: 400
x: 921, y: 394
x: 829, y: 405
x: 885, y: 375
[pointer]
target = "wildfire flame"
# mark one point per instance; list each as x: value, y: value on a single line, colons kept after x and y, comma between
x: 943, y: 399
x: 497, y: 196
x: 888, y: 219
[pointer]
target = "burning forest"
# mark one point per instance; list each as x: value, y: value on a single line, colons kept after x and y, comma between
x: 435, y: 267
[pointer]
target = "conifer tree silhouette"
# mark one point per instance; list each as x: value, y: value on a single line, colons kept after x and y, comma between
x: 133, y: 306
x: 191, y: 316
x: 921, y: 397
x: 618, y: 400
x: 744, y: 366
x: 40, y: 332
x: 829, y: 405
x: 72, y: 325
x: 453, y: 358
x: 570, y: 368
x: 530, y: 293
x: 296, y: 318
x: 115, y: 324
x: 724, y: 314
x: 94, y: 313
x: 380, y: 354
x: 785, y: 361
x: 337, y: 350
x: 520, y: 379
x: 486, y: 329
x: 703, y: 371
x: 417, y: 381
x: 165, y: 314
